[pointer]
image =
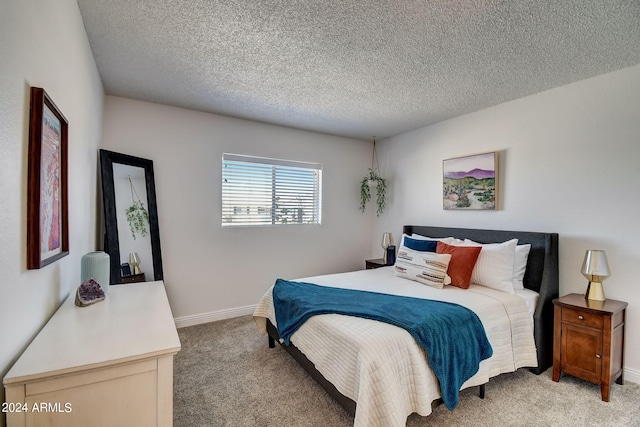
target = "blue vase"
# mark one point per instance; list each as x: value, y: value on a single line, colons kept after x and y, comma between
x: 95, y: 265
x: 391, y: 255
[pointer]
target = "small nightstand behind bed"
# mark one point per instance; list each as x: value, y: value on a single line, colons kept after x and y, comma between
x: 374, y: 263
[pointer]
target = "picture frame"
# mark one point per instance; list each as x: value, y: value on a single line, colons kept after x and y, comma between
x: 47, y: 195
x: 470, y: 182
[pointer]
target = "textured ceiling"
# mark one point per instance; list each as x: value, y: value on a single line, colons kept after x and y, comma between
x: 354, y: 68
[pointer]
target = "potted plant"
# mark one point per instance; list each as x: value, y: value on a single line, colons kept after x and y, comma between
x: 372, y: 180
x: 137, y: 214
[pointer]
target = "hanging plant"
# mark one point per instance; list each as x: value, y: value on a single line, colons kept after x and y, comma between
x: 368, y: 182
x: 137, y: 214
x: 373, y: 180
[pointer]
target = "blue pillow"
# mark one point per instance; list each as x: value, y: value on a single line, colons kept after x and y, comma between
x: 420, y: 245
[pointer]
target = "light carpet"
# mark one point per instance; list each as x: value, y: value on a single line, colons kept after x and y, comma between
x: 226, y: 375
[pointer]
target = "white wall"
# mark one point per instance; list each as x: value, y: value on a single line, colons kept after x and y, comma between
x: 210, y: 270
x: 43, y: 44
x: 569, y: 163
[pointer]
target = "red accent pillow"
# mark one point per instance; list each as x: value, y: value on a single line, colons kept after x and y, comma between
x: 463, y: 259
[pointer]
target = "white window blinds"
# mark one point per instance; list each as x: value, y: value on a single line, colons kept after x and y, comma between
x: 261, y: 191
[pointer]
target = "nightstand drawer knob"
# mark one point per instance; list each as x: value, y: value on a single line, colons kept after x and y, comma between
x: 581, y: 317
x: 598, y: 356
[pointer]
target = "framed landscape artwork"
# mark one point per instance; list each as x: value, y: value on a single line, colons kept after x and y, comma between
x: 471, y: 182
x: 47, y: 199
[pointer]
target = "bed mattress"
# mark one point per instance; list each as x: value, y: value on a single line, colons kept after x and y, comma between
x: 380, y: 366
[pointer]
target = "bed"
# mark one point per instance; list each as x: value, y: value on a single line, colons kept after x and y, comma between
x: 382, y: 368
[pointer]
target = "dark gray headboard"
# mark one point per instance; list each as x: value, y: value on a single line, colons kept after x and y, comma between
x: 541, y: 274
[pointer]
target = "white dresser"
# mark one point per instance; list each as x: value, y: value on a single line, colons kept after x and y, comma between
x: 108, y: 364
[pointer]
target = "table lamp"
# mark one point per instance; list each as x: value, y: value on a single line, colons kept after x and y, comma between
x: 595, y: 268
x: 134, y: 260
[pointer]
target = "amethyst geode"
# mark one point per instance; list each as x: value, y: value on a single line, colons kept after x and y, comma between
x: 89, y: 292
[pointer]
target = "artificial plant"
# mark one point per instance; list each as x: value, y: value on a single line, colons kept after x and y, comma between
x: 373, y: 180
x: 137, y: 214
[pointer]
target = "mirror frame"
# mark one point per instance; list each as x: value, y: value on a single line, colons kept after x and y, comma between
x: 111, y: 241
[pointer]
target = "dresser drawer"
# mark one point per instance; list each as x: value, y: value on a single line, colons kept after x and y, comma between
x: 582, y: 318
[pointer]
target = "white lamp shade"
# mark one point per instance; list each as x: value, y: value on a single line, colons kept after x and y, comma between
x: 387, y: 240
x: 595, y: 267
x: 134, y: 260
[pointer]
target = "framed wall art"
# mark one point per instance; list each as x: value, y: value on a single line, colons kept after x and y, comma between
x: 47, y: 198
x: 471, y: 182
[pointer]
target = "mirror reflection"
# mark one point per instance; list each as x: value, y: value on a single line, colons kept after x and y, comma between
x: 133, y: 219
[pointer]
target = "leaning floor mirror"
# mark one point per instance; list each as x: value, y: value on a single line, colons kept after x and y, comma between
x: 132, y: 237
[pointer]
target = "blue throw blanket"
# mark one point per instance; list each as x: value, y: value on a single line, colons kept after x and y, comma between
x: 452, y: 335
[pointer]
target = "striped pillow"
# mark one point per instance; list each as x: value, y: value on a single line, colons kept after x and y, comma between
x: 428, y: 268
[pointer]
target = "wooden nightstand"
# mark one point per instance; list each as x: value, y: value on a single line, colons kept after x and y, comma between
x: 134, y: 278
x: 374, y: 263
x: 588, y: 340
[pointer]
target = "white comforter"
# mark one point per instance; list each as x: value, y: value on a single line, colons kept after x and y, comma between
x: 380, y: 366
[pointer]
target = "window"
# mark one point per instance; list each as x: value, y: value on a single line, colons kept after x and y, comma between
x: 261, y: 191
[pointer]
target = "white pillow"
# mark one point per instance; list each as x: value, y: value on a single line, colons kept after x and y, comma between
x: 494, y: 267
x: 447, y: 240
x: 428, y: 268
x: 520, y: 265
x: 453, y: 241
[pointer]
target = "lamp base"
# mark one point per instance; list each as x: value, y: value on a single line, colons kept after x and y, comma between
x: 595, y: 292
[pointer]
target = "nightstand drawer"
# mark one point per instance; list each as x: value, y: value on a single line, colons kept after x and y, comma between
x: 582, y: 318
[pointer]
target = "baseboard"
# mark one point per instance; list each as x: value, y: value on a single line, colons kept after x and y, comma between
x: 213, y: 316
x: 631, y: 375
